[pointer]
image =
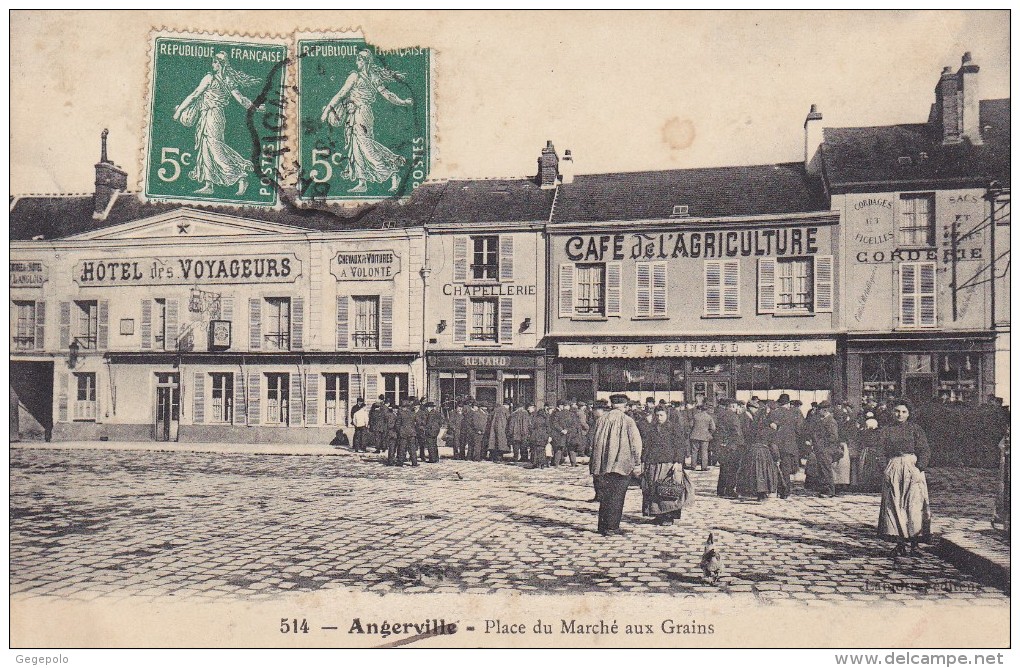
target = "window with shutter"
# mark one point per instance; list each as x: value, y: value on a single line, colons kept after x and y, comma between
x: 103, y: 325
x: 240, y: 404
x: 254, y: 398
x: 926, y: 284
x: 659, y: 290
x: 766, y: 285
x: 506, y: 320
x: 460, y: 261
x: 917, y: 294
x: 146, y: 326
x: 172, y: 316
x: 23, y: 325
x: 643, y: 290
x: 296, y: 400
x: 342, y: 318
x: 255, y: 323
x: 713, y: 287
x: 198, y: 415
x: 372, y: 386
x: 566, y: 293
x: 731, y: 287
x: 297, y: 323
x: 40, y: 325
x: 386, y: 322
x: 62, y: 397
x: 506, y: 257
x: 614, y: 288
x: 460, y: 316
x: 356, y: 389
x: 824, y: 284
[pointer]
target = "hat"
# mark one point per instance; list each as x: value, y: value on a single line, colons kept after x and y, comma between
x: 871, y: 423
x: 601, y: 403
x: 824, y: 404
x: 617, y: 399
x: 784, y: 399
x: 430, y: 404
x: 563, y: 402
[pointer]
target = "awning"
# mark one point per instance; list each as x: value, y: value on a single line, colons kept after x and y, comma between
x: 718, y: 348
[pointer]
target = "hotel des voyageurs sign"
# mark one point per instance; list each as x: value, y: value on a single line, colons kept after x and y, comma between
x: 182, y: 270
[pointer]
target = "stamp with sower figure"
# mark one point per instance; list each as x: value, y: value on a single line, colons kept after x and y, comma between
x: 216, y: 119
x: 364, y: 118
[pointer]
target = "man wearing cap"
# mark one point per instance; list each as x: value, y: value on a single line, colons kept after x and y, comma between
x: 405, y: 441
x: 787, y: 420
x: 824, y: 436
x: 431, y: 424
x: 474, y: 425
x: 616, y: 456
x: 377, y: 424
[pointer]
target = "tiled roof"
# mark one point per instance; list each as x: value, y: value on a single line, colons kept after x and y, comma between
x: 707, y: 192
x: 493, y: 201
x: 861, y: 158
x: 54, y: 217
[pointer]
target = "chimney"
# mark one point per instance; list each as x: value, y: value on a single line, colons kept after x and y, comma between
x: 567, y: 167
x: 970, y: 112
x: 947, y: 107
x: 110, y: 179
x: 812, y: 140
x: 548, y: 166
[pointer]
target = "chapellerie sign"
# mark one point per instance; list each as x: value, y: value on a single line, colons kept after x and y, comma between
x: 175, y: 270
x: 722, y: 348
x: 375, y: 265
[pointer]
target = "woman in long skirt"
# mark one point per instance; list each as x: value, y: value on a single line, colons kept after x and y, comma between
x: 662, y: 454
x: 759, y: 466
x: 905, y: 515
x: 872, y: 460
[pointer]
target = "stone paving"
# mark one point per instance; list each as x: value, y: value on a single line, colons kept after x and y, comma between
x: 108, y: 523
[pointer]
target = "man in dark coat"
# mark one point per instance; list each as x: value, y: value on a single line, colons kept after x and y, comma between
x: 729, y: 446
x: 540, y: 435
x: 474, y: 424
x: 419, y: 428
x: 824, y: 436
x: 432, y: 424
x: 454, y: 432
x: 561, y: 424
x: 377, y: 424
x: 788, y: 426
x: 518, y: 430
x: 405, y: 440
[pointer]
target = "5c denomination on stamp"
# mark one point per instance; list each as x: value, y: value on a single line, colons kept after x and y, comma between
x: 215, y: 119
x: 364, y: 118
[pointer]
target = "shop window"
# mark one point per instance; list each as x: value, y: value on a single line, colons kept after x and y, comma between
x: 366, y: 323
x: 337, y: 399
x: 958, y: 377
x: 917, y: 220
x: 881, y: 375
x: 519, y: 388
x: 722, y: 288
x: 277, y: 398
x: 710, y: 365
x: 159, y: 324
x: 484, y: 320
x: 485, y: 258
x: 795, y: 285
x: 85, y: 397
x: 222, y: 397
x: 917, y: 363
x: 396, y: 388
x: 639, y: 379
x: 917, y: 294
x: 86, y: 324
x: 591, y: 289
x: 576, y: 367
x: 454, y: 386
x: 277, y: 323
x: 24, y: 326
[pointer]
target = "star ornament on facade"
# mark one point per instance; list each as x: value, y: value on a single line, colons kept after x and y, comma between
x: 182, y: 228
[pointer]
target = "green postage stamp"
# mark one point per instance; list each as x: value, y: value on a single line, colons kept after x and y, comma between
x: 216, y: 119
x: 363, y: 118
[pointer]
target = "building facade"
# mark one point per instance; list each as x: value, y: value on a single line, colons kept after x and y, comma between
x: 694, y: 285
x: 925, y: 211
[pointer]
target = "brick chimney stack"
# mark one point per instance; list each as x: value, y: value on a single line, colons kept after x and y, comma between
x: 110, y: 179
x: 548, y: 166
x: 956, y: 111
x: 813, y: 138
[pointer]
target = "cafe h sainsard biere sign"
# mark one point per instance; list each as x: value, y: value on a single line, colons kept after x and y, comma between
x: 373, y: 265
x: 182, y: 270
x: 719, y: 348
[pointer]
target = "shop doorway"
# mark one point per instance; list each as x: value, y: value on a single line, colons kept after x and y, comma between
x: 168, y: 406
x: 710, y: 390
x: 487, y: 394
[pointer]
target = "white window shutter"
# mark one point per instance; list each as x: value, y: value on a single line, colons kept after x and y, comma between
x: 312, y: 399
x: 65, y: 325
x: 506, y: 319
x: 908, y: 296
x: 566, y: 295
x: 255, y: 323
x: 103, y: 328
x: 385, y: 322
x: 297, y: 323
x: 240, y: 400
x: 506, y: 257
x: 713, y: 287
x: 926, y: 294
x: 614, y: 288
x: 731, y: 287
x: 172, y: 316
x: 40, y: 326
x: 460, y: 260
x: 342, y: 318
x: 460, y: 316
x: 354, y: 390
x: 643, y: 290
x: 766, y: 285
x: 62, y: 395
x: 254, y: 398
x: 823, y: 284
x: 294, y: 409
x: 659, y: 289
x: 146, y: 324
x: 198, y: 415
x: 372, y: 386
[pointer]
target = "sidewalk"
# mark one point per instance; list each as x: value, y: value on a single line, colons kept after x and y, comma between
x: 162, y: 446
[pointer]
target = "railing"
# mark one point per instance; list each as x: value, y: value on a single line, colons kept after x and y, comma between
x: 24, y: 342
x: 86, y: 342
x: 277, y: 341
x: 369, y: 340
x: 84, y: 410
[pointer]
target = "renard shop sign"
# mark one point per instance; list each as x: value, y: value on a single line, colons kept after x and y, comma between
x: 769, y: 241
x: 181, y: 270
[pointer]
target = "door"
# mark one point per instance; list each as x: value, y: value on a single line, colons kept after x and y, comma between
x: 487, y: 394
x: 168, y: 406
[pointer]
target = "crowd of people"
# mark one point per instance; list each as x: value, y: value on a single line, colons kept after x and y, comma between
x: 758, y: 446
